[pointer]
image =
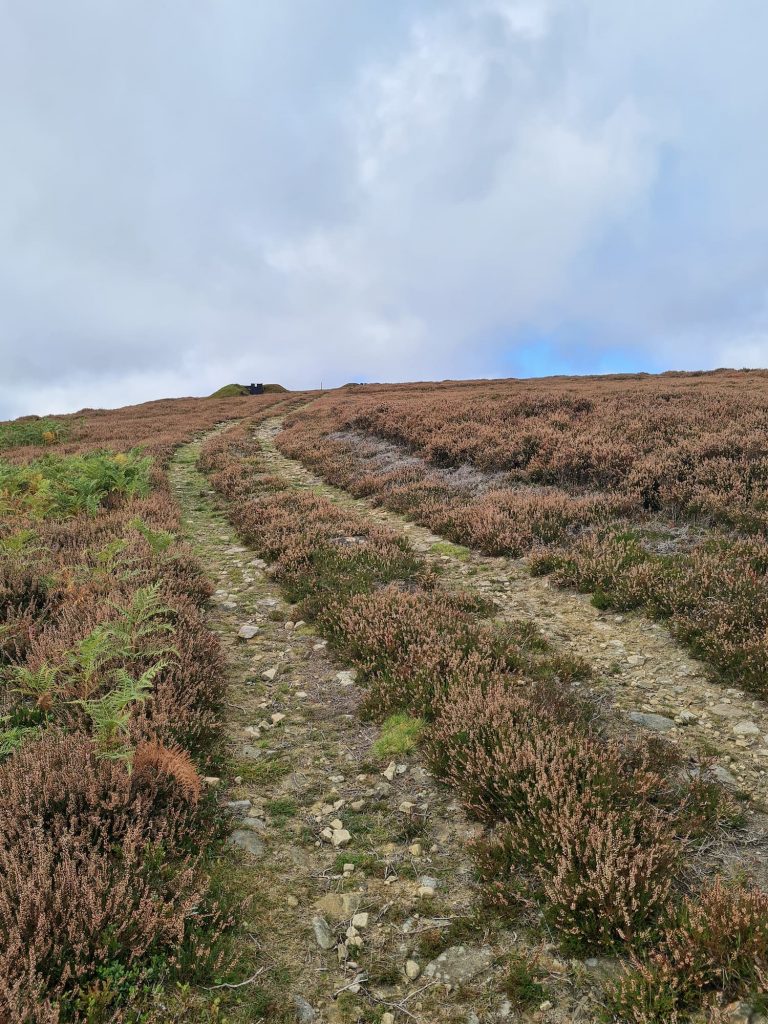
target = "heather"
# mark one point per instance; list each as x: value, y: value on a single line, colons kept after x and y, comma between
x: 586, y: 832
x: 111, y: 692
x: 649, y: 492
x: 715, y: 949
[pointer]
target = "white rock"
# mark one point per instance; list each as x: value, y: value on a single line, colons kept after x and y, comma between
x: 248, y: 631
x: 277, y: 717
x: 412, y: 970
x: 746, y: 728
x: 360, y: 920
x: 269, y: 674
x: 340, y: 837
x: 389, y: 771
x: 323, y: 933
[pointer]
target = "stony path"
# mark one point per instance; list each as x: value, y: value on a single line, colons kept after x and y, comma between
x: 358, y: 867
x: 639, y: 668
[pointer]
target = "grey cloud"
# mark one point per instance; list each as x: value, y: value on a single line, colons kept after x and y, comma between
x: 192, y: 193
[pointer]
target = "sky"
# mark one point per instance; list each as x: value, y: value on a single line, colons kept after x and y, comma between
x: 195, y: 192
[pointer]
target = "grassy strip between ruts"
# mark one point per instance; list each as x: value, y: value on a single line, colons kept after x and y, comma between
x: 592, y: 833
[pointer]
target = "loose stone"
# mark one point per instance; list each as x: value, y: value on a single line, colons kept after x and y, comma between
x: 323, y: 934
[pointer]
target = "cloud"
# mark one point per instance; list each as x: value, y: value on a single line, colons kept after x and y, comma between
x: 197, y: 193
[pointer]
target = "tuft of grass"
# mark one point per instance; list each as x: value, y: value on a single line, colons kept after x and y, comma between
x: 362, y: 862
x: 444, y: 547
x: 281, y: 810
x: 266, y: 770
x: 399, y: 734
x: 521, y: 986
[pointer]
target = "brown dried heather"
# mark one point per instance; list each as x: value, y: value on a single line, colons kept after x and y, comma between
x: 69, y: 901
x: 593, y: 832
x: 584, y: 819
x: 715, y: 950
x: 511, y: 466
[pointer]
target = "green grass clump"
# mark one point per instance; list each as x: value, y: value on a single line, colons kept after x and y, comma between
x: 266, y: 770
x: 444, y: 547
x: 230, y: 391
x: 361, y: 861
x: 280, y: 810
x: 399, y: 734
x: 520, y: 985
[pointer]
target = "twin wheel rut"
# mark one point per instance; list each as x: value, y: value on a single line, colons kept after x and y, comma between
x: 358, y: 869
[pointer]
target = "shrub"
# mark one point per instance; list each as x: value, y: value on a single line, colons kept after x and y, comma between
x: 717, y: 945
x: 98, y: 867
x: 32, y: 431
x: 598, y: 831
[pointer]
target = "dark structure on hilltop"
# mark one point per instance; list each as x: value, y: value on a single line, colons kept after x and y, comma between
x: 255, y: 389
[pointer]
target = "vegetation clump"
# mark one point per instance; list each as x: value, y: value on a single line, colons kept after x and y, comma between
x: 33, y: 431
x: 399, y: 734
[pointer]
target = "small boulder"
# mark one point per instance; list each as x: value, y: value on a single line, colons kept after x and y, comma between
x: 305, y: 1012
x: 724, y: 711
x: 458, y: 965
x: 412, y: 970
x: 746, y: 728
x: 656, y: 723
x: 247, y: 841
x: 341, y: 837
x: 323, y: 934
